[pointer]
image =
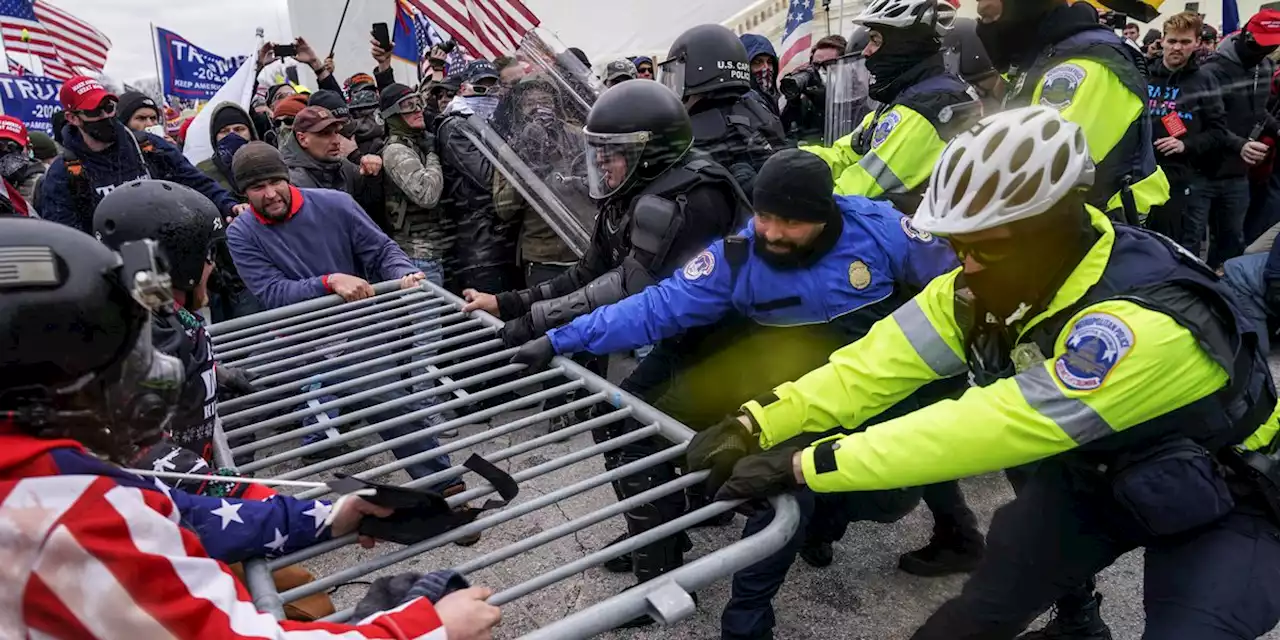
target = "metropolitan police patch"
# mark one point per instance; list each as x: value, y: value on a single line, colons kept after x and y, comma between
x: 1060, y: 85
x: 914, y: 233
x: 700, y: 266
x: 884, y: 128
x: 1097, y: 343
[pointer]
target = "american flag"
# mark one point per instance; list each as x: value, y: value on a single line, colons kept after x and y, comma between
x: 797, y: 39
x: 485, y: 28
x: 58, y: 39
x: 17, y: 69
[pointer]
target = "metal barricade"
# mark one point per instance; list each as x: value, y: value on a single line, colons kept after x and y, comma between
x: 325, y: 354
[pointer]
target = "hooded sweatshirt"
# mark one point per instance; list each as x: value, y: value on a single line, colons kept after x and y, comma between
x: 340, y: 175
x: 1191, y: 94
x: 214, y: 167
x: 759, y: 45
x: 1244, y: 90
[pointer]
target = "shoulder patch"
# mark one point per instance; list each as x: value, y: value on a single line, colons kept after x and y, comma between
x: 700, y: 266
x: 914, y: 233
x: 859, y: 275
x: 1059, y: 86
x: 885, y: 127
x: 1096, y: 344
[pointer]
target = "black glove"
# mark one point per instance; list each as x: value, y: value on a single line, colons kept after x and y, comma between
x: 1272, y: 297
x: 517, y: 331
x: 761, y: 475
x: 427, y: 142
x: 719, y: 448
x: 234, y: 382
x: 536, y: 354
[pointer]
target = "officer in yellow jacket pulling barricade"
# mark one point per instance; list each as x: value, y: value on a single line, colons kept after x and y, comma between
x: 1057, y: 55
x: 1106, y: 362
x: 921, y: 105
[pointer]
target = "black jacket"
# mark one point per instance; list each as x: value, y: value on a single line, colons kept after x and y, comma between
x: 340, y: 175
x: 1193, y: 94
x: 483, y: 238
x: 1244, y: 97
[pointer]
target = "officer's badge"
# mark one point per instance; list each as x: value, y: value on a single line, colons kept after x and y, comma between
x: 1025, y: 356
x: 700, y: 266
x: 1096, y: 344
x: 885, y: 127
x: 1060, y: 85
x: 945, y: 114
x: 914, y: 233
x: 859, y: 275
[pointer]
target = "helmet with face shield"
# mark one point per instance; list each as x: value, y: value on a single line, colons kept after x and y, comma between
x: 76, y: 359
x: 635, y: 132
x: 707, y: 58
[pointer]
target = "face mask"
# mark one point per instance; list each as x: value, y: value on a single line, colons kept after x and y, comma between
x: 12, y: 163
x: 103, y: 130
x: 483, y: 106
x: 764, y: 80
x: 1031, y: 269
x: 900, y: 53
x: 228, y: 146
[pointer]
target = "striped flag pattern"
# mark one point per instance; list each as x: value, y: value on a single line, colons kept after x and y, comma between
x: 61, y: 41
x: 485, y: 28
x: 797, y: 39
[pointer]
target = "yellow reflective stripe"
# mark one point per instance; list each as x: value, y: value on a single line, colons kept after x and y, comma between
x: 1266, y: 434
x: 1076, y: 419
x: 885, y: 178
x: 1151, y: 191
x: 927, y: 342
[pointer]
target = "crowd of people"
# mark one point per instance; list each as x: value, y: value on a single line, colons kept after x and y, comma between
x: 1039, y: 246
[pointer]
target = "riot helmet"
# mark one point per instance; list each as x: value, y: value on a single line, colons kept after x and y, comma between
x: 705, y: 59
x: 180, y: 219
x: 76, y: 359
x: 635, y: 131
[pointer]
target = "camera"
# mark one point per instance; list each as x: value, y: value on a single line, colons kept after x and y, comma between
x: 1114, y: 20
x: 801, y: 82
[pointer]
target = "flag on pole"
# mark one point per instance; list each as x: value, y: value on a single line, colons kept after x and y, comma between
x: 797, y: 38
x: 59, y: 40
x: 1230, y: 17
x: 485, y: 28
x: 17, y: 69
x: 414, y: 36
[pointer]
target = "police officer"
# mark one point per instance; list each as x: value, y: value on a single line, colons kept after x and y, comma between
x: 891, y: 154
x: 813, y: 272
x: 1111, y: 362
x: 185, y: 225
x: 1057, y: 55
x: 81, y: 388
x: 707, y: 67
x: 661, y: 202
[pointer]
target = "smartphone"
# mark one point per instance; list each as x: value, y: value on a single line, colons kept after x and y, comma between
x: 382, y: 35
x: 156, y: 130
x: 285, y: 50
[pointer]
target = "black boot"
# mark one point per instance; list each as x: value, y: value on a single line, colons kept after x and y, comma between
x: 622, y: 563
x: 951, y: 550
x: 817, y: 553
x: 1074, y: 620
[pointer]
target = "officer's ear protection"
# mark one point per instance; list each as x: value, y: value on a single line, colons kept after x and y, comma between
x: 421, y: 514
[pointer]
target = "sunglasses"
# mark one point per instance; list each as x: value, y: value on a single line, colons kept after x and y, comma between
x: 284, y: 122
x: 987, y: 253
x: 107, y: 108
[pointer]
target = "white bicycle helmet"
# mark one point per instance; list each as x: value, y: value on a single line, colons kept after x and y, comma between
x: 1010, y: 166
x: 908, y: 13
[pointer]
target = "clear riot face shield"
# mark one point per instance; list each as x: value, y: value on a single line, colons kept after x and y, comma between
x: 671, y: 75
x: 535, y: 138
x: 848, y: 97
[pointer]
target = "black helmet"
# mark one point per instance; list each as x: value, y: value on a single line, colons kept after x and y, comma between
x: 76, y: 359
x: 180, y: 219
x: 704, y: 59
x: 640, y: 123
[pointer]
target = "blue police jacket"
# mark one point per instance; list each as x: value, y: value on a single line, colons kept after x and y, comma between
x: 878, y: 254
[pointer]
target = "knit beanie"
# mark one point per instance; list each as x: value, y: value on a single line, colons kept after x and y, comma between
x: 331, y: 100
x: 131, y: 102
x: 289, y: 107
x: 258, y: 162
x: 43, y: 146
x: 796, y: 185
x: 227, y: 116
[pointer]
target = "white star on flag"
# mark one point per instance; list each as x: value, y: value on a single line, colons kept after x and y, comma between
x: 164, y: 488
x: 278, y: 543
x: 320, y: 511
x: 228, y: 512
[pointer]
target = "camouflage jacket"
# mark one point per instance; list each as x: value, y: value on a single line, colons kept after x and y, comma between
x: 413, y: 195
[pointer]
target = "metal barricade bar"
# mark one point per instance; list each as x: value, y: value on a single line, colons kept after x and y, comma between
x: 407, y: 366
